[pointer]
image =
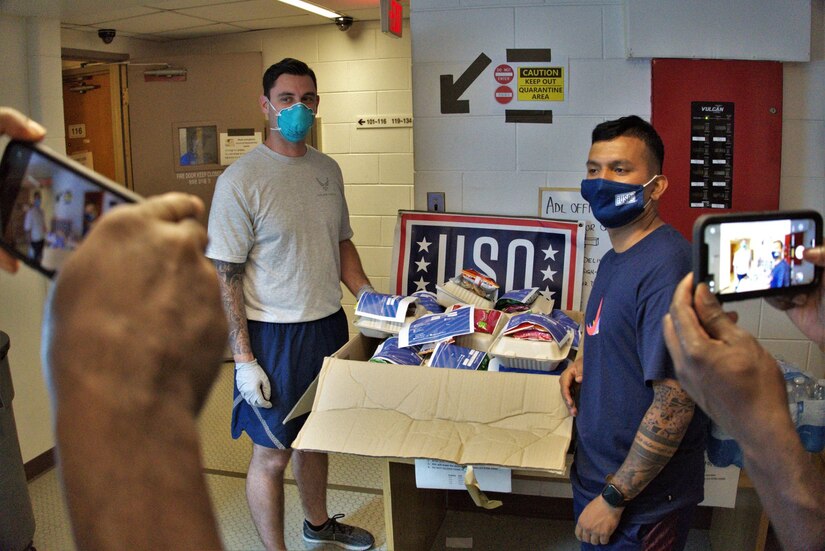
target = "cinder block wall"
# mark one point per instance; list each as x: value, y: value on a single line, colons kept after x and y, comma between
x: 360, y: 72
x: 487, y: 166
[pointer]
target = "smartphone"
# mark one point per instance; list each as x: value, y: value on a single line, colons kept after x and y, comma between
x: 48, y: 203
x: 756, y: 254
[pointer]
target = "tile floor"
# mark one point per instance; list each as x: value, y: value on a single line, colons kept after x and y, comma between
x: 354, y: 489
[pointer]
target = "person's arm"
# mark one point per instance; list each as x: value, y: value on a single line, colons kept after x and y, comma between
x: 739, y: 385
x: 569, y: 381
x: 230, y: 279
x: 352, y: 273
x: 661, y: 431
x: 129, y: 361
x: 251, y: 380
x: 790, y: 482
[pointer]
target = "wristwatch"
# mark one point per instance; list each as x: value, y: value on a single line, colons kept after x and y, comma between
x: 612, y: 495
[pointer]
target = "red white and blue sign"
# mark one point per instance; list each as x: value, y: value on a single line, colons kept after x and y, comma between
x: 517, y: 252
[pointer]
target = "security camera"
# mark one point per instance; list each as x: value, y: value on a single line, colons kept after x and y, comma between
x: 106, y: 35
x: 343, y: 23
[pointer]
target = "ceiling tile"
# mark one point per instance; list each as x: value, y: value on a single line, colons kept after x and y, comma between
x: 180, y: 4
x: 249, y: 9
x: 107, y: 15
x: 156, y: 23
x: 280, y: 22
x: 195, y: 32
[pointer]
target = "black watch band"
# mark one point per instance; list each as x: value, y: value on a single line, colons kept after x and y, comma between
x: 613, y: 496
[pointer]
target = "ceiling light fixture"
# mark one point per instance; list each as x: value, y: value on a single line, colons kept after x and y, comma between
x: 323, y: 12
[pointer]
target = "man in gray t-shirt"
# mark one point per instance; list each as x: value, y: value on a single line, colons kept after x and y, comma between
x: 279, y: 235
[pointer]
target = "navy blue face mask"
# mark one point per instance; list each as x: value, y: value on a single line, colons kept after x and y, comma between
x: 615, y: 204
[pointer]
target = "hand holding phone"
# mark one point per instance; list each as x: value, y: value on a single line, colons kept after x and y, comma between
x: 48, y: 203
x: 748, y: 255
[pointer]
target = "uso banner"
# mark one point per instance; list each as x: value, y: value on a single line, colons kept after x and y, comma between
x: 516, y: 252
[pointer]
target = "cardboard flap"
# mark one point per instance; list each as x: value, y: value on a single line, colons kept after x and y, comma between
x: 466, y: 417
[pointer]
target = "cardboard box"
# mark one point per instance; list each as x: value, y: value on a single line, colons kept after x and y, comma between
x: 465, y: 417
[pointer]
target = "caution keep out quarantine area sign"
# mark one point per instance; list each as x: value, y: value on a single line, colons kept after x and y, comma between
x: 541, y: 83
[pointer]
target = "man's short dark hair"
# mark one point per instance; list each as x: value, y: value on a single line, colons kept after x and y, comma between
x: 635, y: 127
x: 287, y: 66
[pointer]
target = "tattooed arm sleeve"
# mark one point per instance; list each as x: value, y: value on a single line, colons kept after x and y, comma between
x: 230, y: 278
x: 659, y: 435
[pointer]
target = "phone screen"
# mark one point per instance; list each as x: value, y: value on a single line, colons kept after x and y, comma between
x: 748, y: 258
x: 47, y: 206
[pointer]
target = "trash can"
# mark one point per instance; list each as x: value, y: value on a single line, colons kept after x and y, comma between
x: 16, y: 514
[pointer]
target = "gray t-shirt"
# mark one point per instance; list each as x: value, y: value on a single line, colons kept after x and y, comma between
x: 284, y: 217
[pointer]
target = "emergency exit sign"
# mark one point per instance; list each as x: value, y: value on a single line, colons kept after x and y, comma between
x: 391, y: 17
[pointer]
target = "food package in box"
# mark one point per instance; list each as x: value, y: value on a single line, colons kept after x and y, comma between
x: 451, y: 293
x: 532, y: 355
x: 380, y: 316
x: 469, y: 287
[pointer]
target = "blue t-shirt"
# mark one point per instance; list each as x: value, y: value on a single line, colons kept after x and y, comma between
x: 780, y: 275
x: 624, y: 352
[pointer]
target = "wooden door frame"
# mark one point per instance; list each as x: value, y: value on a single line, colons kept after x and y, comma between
x: 97, y: 63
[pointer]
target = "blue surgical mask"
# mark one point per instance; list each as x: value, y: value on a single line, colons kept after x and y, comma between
x: 294, y: 121
x: 776, y: 255
x: 615, y: 204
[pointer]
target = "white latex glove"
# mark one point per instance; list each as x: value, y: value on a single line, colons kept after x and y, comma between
x: 253, y: 384
x: 363, y: 290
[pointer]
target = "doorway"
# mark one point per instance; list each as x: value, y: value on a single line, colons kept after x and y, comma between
x: 96, y: 113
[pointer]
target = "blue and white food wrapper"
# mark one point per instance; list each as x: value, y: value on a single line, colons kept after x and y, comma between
x: 447, y: 354
x: 519, y: 322
x: 525, y: 296
x: 428, y: 301
x: 389, y: 351
x: 568, y: 322
x: 384, y: 307
x: 437, y: 327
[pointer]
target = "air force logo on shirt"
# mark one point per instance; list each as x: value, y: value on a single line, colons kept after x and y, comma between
x: 324, y: 187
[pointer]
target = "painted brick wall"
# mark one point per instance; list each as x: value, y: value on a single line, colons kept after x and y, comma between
x: 485, y: 165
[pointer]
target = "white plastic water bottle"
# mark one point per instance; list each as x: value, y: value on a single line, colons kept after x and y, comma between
x: 819, y: 390
x: 793, y: 407
x: 811, y: 420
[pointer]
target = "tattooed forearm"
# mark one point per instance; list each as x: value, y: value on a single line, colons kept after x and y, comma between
x: 230, y: 277
x: 659, y: 435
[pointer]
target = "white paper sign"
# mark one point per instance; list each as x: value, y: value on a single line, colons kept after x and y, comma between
x: 721, y: 484
x: 443, y: 475
x: 564, y: 203
x: 85, y: 158
x: 232, y: 147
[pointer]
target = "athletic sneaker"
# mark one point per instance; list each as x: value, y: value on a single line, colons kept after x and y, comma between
x: 340, y: 534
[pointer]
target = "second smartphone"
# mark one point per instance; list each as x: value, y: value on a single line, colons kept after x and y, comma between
x: 48, y: 203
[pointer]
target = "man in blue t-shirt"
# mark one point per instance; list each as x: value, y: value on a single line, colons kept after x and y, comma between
x: 638, y: 472
x: 781, y: 271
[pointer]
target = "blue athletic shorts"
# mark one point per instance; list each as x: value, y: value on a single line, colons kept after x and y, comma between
x: 292, y: 355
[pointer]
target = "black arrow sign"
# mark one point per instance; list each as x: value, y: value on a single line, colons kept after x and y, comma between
x: 451, y: 91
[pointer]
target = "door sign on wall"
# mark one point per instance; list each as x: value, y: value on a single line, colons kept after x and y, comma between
x: 711, y: 154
